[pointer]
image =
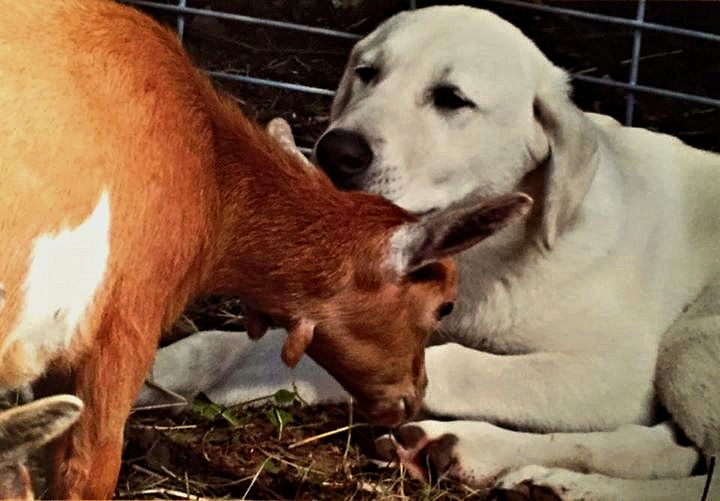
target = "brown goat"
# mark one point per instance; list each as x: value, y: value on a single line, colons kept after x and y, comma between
x: 128, y: 186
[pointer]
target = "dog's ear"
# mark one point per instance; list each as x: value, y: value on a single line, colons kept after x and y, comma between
x: 344, y: 89
x: 573, y: 156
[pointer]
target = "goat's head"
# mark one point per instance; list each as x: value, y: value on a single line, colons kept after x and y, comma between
x: 370, y: 332
x: 373, y: 333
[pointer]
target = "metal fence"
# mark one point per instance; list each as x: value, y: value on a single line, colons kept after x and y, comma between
x: 631, y: 86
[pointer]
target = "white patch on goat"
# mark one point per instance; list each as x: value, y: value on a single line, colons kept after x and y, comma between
x: 403, y: 247
x: 66, y: 270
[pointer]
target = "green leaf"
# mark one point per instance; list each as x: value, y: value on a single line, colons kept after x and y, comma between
x: 284, y: 397
x: 229, y: 416
x: 212, y: 412
x: 279, y: 417
x: 207, y: 410
x: 271, y: 466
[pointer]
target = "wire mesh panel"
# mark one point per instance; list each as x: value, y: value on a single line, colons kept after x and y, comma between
x: 652, y: 64
x: 667, y: 44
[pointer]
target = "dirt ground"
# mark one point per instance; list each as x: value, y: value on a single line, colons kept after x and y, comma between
x: 258, y: 453
x: 251, y: 452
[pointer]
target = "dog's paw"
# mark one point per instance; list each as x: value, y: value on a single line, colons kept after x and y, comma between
x: 537, y: 483
x: 422, y: 452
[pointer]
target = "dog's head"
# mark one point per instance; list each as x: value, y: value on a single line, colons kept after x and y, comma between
x: 444, y: 102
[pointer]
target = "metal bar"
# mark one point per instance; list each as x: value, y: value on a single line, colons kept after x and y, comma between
x: 244, y: 19
x: 633, y: 23
x: 271, y: 83
x: 649, y: 90
x: 585, y: 78
x: 635, y: 65
x: 327, y: 92
x: 181, y: 20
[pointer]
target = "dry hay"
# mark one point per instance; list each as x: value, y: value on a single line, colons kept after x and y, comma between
x: 278, y: 450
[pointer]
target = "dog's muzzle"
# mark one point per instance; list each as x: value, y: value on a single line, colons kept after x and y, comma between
x: 343, y: 154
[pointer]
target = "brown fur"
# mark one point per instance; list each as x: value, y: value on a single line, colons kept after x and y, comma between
x: 202, y: 201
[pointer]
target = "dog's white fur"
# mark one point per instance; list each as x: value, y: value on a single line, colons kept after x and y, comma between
x: 574, y: 319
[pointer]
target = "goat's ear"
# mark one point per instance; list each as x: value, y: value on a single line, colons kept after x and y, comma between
x: 281, y: 131
x: 24, y: 429
x: 451, y: 231
x: 572, y: 159
x: 300, y: 335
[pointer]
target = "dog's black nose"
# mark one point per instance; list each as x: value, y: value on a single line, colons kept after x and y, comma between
x: 342, y: 154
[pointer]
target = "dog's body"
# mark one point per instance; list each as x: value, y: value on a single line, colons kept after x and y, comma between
x: 573, y: 320
x: 594, y: 308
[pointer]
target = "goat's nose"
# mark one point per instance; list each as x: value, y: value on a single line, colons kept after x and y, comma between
x: 343, y: 153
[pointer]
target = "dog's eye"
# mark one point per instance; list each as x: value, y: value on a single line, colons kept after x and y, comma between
x: 366, y: 73
x: 449, y: 98
x: 444, y: 310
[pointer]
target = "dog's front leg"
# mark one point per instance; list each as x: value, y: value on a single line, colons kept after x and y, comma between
x: 688, y: 372
x: 537, y: 482
x: 539, y: 391
x: 230, y: 368
x: 479, y: 453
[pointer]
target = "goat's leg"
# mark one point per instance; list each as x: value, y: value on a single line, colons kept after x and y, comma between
x: 86, y: 461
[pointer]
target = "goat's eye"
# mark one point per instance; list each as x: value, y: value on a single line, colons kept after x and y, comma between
x: 366, y: 73
x: 449, y: 98
x: 444, y: 310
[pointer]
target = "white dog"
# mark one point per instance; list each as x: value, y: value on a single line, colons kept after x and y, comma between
x: 574, y: 325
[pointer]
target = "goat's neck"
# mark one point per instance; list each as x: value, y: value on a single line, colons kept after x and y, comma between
x: 286, y: 237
